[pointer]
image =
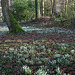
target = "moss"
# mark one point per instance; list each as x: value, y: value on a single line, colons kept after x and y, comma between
x: 16, y: 27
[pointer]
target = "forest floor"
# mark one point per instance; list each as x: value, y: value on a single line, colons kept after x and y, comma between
x: 41, y: 50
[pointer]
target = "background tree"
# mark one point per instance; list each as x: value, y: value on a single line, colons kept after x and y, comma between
x: 42, y: 7
x: 37, y: 9
x: 9, y: 19
x: 53, y: 8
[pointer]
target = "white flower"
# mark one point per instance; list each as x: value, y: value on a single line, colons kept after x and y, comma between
x: 59, y: 60
x: 31, y: 62
x: 4, y: 56
x: 23, y: 47
x: 11, y: 49
x: 72, y: 51
x: 19, y: 55
x: 31, y: 51
x: 26, y: 69
x: 6, y: 52
x: 27, y: 60
x: 46, y: 59
x: 58, y: 70
x: 67, y: 55
x: 39, y: 62
x: 57, y: 55
x: 43, y: 46
x: 41, y: 72
x: 62, y: 44
x: 63, y: 47
x: 53, y: 62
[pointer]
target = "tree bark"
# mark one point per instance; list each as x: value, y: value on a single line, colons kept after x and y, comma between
x: 53, y: 8
x: 42, y: 7
x: 37, y: 9
x: 9, y: 19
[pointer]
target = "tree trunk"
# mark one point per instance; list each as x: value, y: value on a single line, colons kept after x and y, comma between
x: 9, y: 19
x: 37, y: 9
x: 42, y: 7
x: 58, y: 7
x: 66, y: 7
x: 53, y: 8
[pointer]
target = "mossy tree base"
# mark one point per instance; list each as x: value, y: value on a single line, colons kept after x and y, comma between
x: 16, y: 28
x: 9, y: 19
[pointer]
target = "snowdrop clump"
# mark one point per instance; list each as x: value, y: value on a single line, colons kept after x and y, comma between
x: 66, y: 56
x: 26, y: 69
x: 63, y: 44
x: 11, y: 49
x: 23, y: 48
x: 53, y: 63
x: 57, y: 55
x: 43, y: 46
x: 41, y: 72
x: 63, y: 47
x: 31, y: 51
x: 49, y: 50
x: 6, y: 52
x: 58, y: 70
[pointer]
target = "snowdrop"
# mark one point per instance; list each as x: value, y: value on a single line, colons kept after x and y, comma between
x: 57, y: 55
x: 49, y: 50
x: 58, y: 70
x: 31, y: 62
x: 59, y: 60
x: 23, y: 59
x: 72, y: 51
x: 30, y: 46
x: 53, y: 62
x: 43, y: 46
x: 15, y: 52
x: 26, y: 69
x: 31, y: 51
x: 23, y: 47
x: 46, y: 59
x: 11, y: 49
x: 6, y: 52
x: 63, y: 47
x: 41, y: 72
x: 42, y: 59
x: 27, y: 60
x: 4, y: 56
x: 39, y: 62
x: 19, y: 55
x: 67, y: 55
